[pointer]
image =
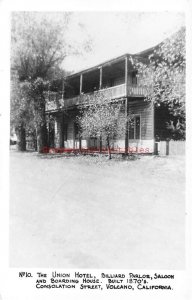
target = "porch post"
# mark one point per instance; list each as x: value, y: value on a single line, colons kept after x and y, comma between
x: 126, y: 107
x: 48, y: 142
x: 126, y: 76
x: 100, y: 144
x: 79, y: 141
x: 62, y: 130
x: 73, y: 135
x: 55, y: 133
x: 63, y: 89
x: 100, y: 77
x: 58, y: 130
x: 81, y: 83
x: 81, y: 86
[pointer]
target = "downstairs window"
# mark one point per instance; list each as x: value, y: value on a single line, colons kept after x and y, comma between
x: 135, y: 128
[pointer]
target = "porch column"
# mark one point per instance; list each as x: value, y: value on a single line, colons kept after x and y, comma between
x: 126, y: 76
x: 62, y: 130
x: 100, y: 77
x: 73, y: 135
x: 81, y: 83
x: 58, y: 131
x: 48, y: 135
x: 126, y: 107
x: 81, y: 86
x: 55, y: 133
x: 63, y: 89
x: 100, y: 144
x: 79, y: 141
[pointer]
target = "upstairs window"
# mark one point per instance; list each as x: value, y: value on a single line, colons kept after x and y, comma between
x: 135, y: 128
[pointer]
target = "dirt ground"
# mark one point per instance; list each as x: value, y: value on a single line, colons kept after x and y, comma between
x: 88, y: 212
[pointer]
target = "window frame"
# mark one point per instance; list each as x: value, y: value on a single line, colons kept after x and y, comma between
x: 134, y: 116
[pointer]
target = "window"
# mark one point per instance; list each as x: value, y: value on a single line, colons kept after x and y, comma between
x: 134, y: 128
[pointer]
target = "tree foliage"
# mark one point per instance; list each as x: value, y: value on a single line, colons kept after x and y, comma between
x: 21, y: 114
x: 38, y: 48
x: 102, y: 118
x: 164, y: 77
x: 20, y: 111
x: 38, y: 43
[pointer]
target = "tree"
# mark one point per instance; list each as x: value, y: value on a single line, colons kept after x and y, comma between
x: 102, y: 118
x: 38, y: 43
x: 38, y: 47
x: 164, y: 78
x: 21, y: 114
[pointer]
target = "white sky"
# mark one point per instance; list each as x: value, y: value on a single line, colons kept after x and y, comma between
x: 117, y: 33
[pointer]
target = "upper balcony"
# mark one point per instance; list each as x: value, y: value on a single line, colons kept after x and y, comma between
x: 116, y: 78
x: 55, y: 101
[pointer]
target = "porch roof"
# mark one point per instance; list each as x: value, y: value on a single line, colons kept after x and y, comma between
x: 142, y: 54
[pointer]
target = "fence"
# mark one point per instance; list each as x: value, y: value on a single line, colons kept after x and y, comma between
x: 170, y: 148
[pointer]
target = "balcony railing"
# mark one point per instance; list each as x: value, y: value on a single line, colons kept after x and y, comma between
x: 115, y: 91
x: 136, y: 91
x: 55, y: 101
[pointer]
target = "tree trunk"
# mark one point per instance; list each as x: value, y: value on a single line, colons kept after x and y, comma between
x: 126, y: 128
x: 80, y: 143
x: 41, y: 128
x: 35, y: 140
x: 21, y: 138
x: 41, y: 137
x: 100, y: 144
x: 108, y: 148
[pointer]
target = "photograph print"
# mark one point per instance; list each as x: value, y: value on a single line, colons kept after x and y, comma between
x: 97, y: 140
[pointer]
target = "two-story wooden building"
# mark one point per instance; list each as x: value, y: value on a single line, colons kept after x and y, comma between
x: 117, y: 76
